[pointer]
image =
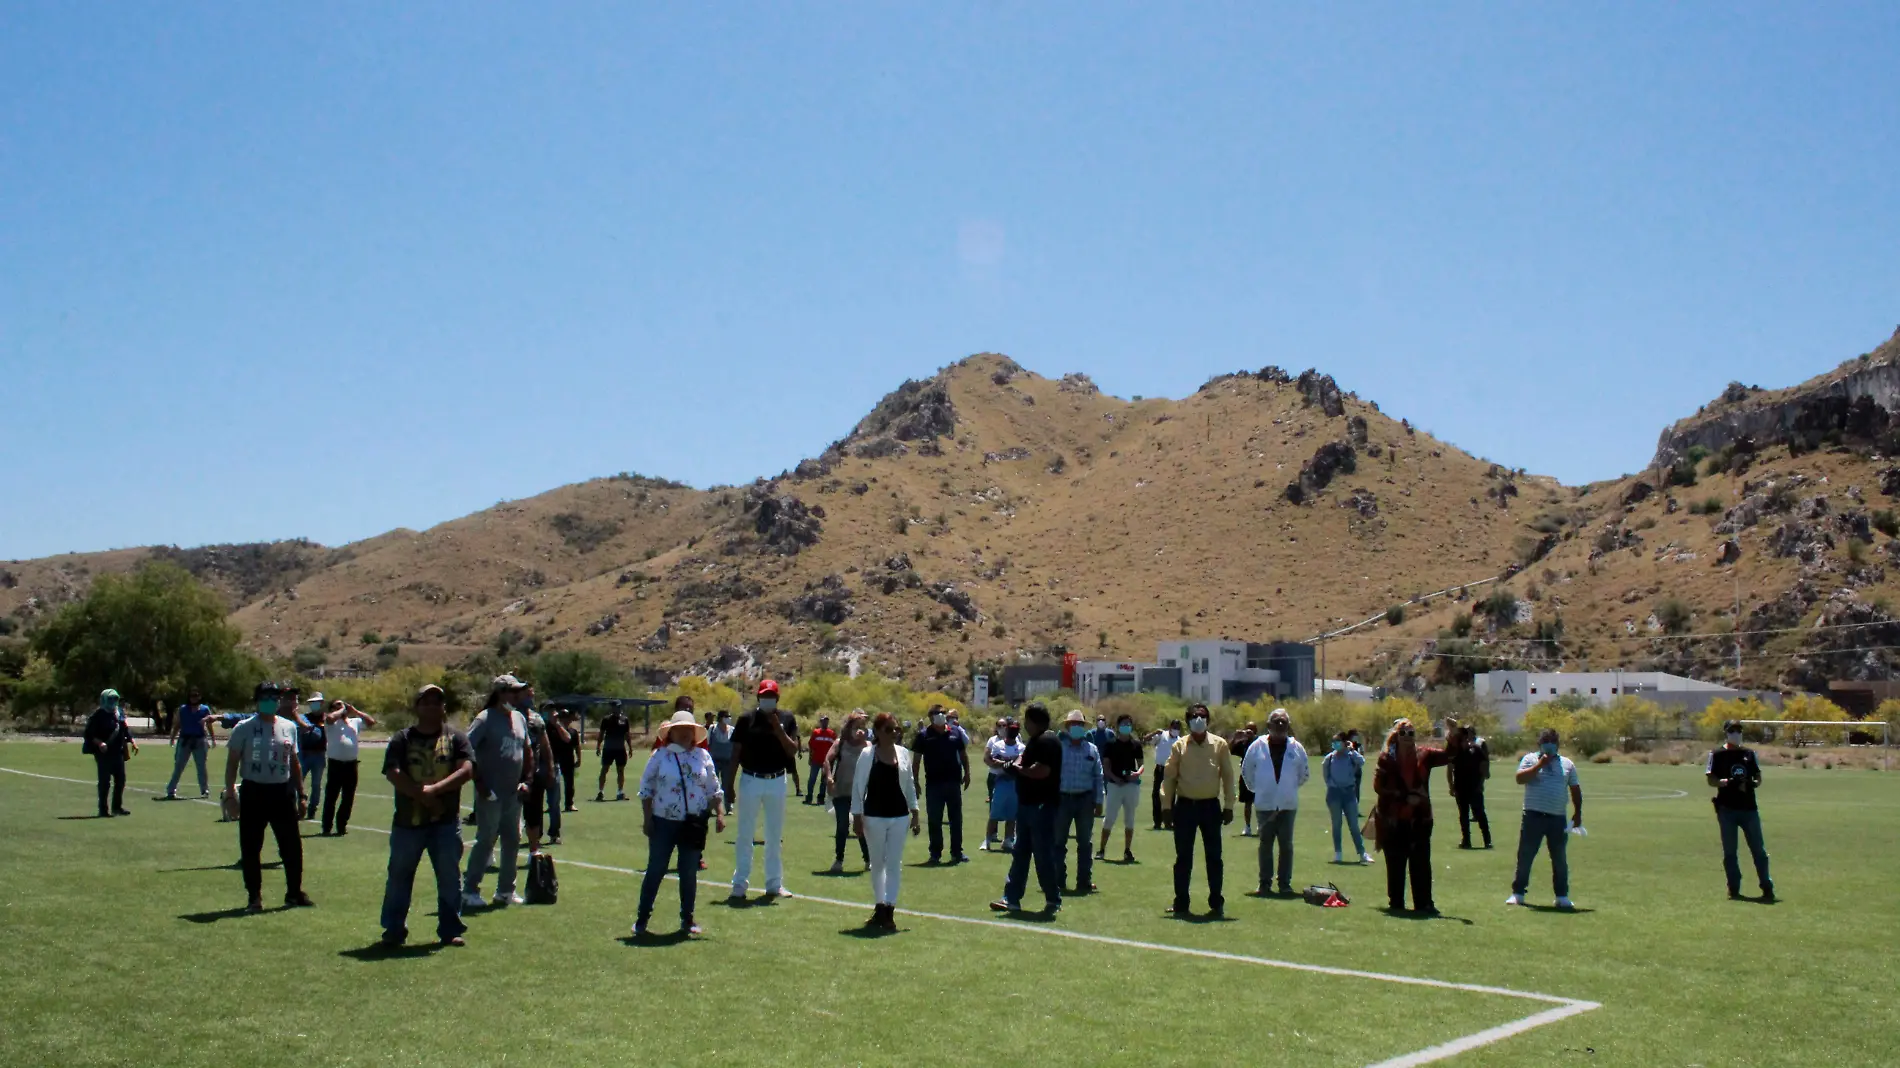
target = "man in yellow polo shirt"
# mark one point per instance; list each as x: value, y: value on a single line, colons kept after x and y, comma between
x: 1197, y: 797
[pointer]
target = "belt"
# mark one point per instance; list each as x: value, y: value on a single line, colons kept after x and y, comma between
x: 765, y: 774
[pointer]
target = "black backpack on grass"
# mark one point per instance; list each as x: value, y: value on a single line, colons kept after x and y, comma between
x: 543, y: 887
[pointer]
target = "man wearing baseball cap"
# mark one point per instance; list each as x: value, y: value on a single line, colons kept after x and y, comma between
x: 1736, y: 775
x: 427, y: 765
x: 764, y: 745
x: 504, y: 766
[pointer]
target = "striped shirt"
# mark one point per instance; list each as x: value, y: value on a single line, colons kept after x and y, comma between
x: 1547, y: 792
x: 1081, y: 769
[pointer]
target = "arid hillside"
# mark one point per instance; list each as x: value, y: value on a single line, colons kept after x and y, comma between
x: 989, y: 514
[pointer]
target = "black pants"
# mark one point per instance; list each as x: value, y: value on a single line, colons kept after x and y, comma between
x: 567, y: 780
x: 1192, y: 818
x: 1154, y: 798
x: 339, y: 795
x: 1408, y: 845
x: 841, y: 807
x: 1471, y: 807
x: 272, y: 805
x: 111, y: 781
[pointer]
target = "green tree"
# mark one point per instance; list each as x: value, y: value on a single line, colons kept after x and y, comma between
x: 575, y: 671
x: 151, y: 635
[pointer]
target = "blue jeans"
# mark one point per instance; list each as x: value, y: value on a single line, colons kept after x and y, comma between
x: 1747, y: 821
x: 188, y: 749
x: 661, y: 846
x: 1343, y: 803
x: 313, y: 767
x: 556, y: 791
x: 1191, y: 818
x: 443, y: 842
x: 1276, y: 830
x: 1542, y: 830
x: 1075, y: 812
x: 1035, y: 840
x: 939, y: 796
x: 813, y: 781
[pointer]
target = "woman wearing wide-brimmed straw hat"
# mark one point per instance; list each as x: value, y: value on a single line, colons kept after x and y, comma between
x: 679, y: 796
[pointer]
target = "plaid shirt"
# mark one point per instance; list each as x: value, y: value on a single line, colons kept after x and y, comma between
x: 1082, y: 769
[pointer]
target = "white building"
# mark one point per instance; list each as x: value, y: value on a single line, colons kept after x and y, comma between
x: 1214, y: 671
x: 1512, y: 693
x: 1351, y: 691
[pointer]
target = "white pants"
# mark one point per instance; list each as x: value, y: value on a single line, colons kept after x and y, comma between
x: 885, y: 836
x: 755, y: 795
x: 1123, y: 797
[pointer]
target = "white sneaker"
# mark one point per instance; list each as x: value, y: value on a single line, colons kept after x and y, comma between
x: 1514, y: 899
x: 1564, y: 903
x: 1365, y: 858
x: 1337, y: 856
x: 504, y: 900
x: 780, y: 892
x: 473, y: 900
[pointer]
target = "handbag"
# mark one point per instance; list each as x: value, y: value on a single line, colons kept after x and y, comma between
x: 693, y: 834
x: 544, y: 888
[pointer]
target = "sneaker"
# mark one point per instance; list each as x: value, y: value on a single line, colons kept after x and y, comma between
x: 1514, y: 899
x: 121, y: 812
x: 1365, y: 858
x: 254, y: 905
x: 393, y: 939
x: 202, y: 794
x: 736, y: 898
x: 962, y: 858
x: 1101, y: 854
x: 780, y: 892
x: 169, y: 796
x: 621, y: 796
x: 1005, y: 906
x: 602, y: 796
x: 640, y: 929
x: 837, y: 868
x: 1336, y: 856
x: 693, y: 931
x: 298, y: 900
x: 1128, y: 857
x: 1734, y: 895
x: 1564, y: 903
x: 1178, y: 910
x: 504, y: 900
x: 987, y: 846
x: 1768, y: 896
x: 473, y: 900
x: 455, y: 940
x: 554, y: 839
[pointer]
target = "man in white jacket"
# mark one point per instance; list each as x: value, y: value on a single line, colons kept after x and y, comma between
x: 1274, y: 769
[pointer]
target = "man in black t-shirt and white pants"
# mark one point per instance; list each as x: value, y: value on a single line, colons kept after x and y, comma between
x: 765, y: 746
x: 1736, y: 774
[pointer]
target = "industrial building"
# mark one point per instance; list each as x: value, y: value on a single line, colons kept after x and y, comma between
x: 1215, y: 671
x: 1512, y: 693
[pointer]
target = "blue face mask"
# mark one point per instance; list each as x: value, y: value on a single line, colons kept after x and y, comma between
x: 267, y: 706
x: 768, y: 703
x: 1548, y: 749
x: 1076, y: 731
x: 1125, y: 728
x: 1338, y: 745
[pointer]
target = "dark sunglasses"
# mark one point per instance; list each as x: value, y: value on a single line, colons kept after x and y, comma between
x: 1407, y: 733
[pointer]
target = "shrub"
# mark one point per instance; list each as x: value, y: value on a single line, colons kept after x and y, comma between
x: 370, y: 637
x: 1500, y: 608
x: 1395, y: 615
x: 1856, y: 551
x: 308, y: 659
x: 1887, y: 523
x: 1673, y: 615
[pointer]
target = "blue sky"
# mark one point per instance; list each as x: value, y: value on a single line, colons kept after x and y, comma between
x: 322, y: 270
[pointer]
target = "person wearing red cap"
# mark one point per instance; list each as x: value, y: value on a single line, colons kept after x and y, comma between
x: 764, y: 745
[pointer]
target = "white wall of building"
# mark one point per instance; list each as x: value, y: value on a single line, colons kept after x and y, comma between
x: 1512, y: 693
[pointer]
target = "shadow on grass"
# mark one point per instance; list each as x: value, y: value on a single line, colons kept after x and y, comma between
x: 1202, y: 917
x: 214, y: 917
x: 655, y: 941
x: 92, y: 817
x: 867, y: 933
x: 1414, y: 914
x: 1744, y: 900
x: 233, y: 866
x: 378, y: 951
x: 827, y: 873
x: 1552, y: 908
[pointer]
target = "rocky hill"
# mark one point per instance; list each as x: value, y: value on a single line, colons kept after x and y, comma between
x: 988, y: 513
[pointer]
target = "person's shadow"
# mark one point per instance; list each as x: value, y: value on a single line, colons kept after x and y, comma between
x: 378, y: 951
x: 1552, y: 908
x: 1414, y: 914
x: 868, y: 933
x: 655, y: 941
x: 214, y: 917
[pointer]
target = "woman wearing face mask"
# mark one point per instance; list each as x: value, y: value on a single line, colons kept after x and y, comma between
x: 679, y: 792
x: 1402, y: 817
x: 841, y: 770
x: 1000, y: 754
x: 1340, y: 771
x: 883, y: 804
x: 1121, y: 766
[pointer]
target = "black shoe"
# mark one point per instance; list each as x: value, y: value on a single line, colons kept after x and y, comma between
x: 1128, y: 857
x: 1215, y: 912
x: 962, y: 858
x: 1464, y: 845
x: 1179, y: 910
x: 1734, y: 895
x: 298, y: 900
x: 1768, y: 896
x: 121, y: 812
x: 394, y: 939
x: 254, y: 905
x: 933, y: 861
x: 105, y: 814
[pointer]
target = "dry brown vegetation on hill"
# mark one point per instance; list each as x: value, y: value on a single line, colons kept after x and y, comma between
x: 989, y: 513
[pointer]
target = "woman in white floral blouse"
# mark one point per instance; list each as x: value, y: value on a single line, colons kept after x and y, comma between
x: 679, y: 795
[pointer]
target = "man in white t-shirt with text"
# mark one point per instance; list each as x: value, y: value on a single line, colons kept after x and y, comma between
x: 1545, y: 777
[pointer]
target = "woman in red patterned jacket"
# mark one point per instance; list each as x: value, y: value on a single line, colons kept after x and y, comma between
x: 1402, y: 819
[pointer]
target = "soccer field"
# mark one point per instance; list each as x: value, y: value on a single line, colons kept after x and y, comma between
x: 126, y: 946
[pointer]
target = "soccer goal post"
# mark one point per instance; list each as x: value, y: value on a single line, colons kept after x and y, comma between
x: 1810, y: 731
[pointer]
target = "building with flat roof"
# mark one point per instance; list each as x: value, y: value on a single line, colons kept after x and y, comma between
x: 1512, y: 693
x: 1214, y: 671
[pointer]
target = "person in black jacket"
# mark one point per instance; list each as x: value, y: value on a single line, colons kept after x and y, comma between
x: 109, y: 741
x: 1470, y: 767
x: 1736, y: 775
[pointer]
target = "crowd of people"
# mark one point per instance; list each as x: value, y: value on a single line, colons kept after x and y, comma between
x: 1045, y: 789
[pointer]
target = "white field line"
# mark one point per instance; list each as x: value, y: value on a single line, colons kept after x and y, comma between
x: 1563, y: 1008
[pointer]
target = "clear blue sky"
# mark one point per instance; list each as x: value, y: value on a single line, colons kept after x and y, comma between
x: 323, y: 270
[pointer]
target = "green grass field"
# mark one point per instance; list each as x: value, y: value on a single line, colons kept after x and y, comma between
x: 124, y: 949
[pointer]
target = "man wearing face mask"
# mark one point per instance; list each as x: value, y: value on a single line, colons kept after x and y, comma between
x: 945, y: 767
x: 1544, y: 775
x: 264, y: 749
x: 109, y: 740
x: 1275, y: 767
x: 1736, y: 775
x: 1197, y: 798
x: 719, y: 744
x: 1164, y: 742
x: 1470, y: 767
x: 764, y: 745
x: 1237, y: 745
x: 1082, y: 791
x: 1101, y: 735
x: 1121, y: 767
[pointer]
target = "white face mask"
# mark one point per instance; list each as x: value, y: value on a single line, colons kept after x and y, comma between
x: 1734, y: 737
x: 675, y: 748
x: 938, y: 720
x: 1197, y: 725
